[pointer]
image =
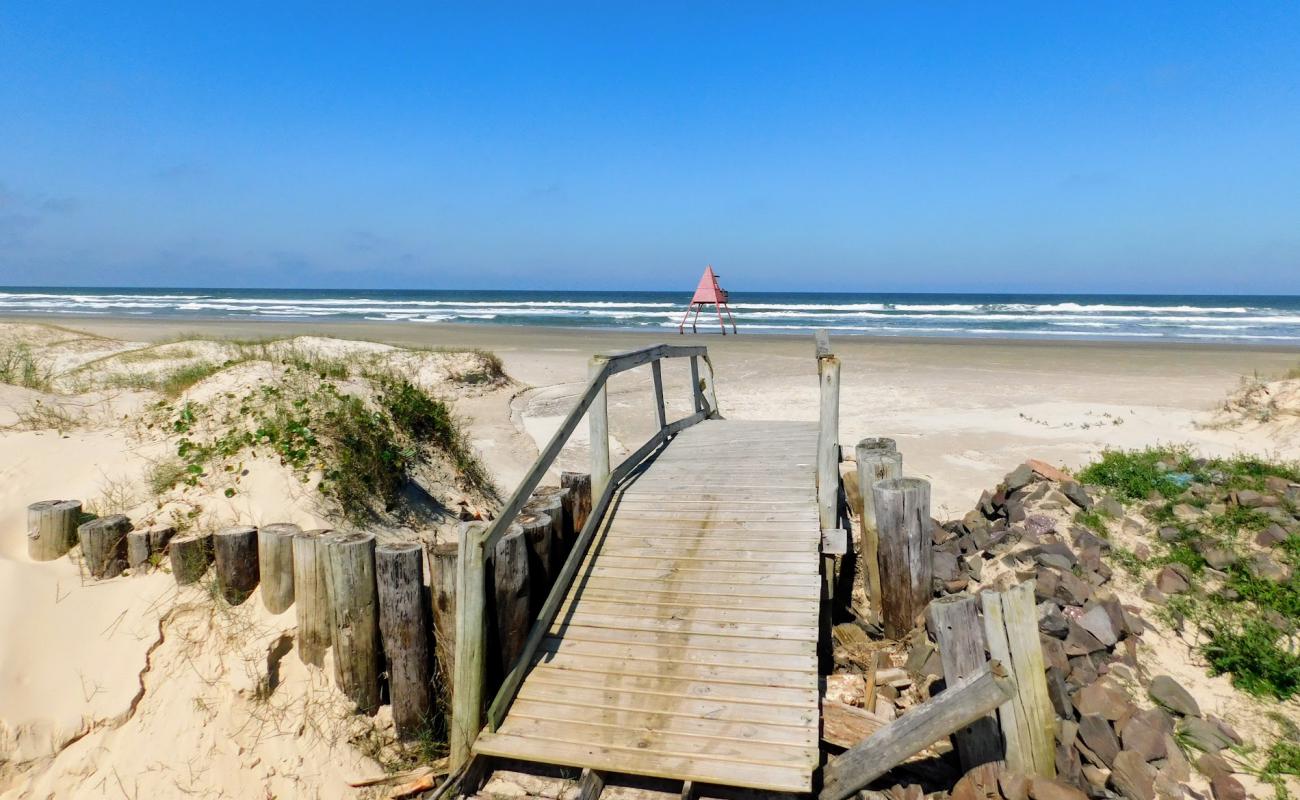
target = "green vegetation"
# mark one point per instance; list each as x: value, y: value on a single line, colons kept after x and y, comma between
x: 1135, y: 474
x: 364, y: 449
x: 1246, y: 614
x: 20, y: 368
x: 1094, y: 520
x: 1256, y: 655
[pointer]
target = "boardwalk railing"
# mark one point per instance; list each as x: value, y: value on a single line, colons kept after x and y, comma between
x: 469, y: 676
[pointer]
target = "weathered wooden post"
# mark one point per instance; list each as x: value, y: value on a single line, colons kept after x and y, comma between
x: 1028, y: 720
x: 551, y: 501
x: 52, y: 528
x: 511, y: 599
x: 697, y: 389
x: 539, y: 537
x: 403, y: 623
x: 275, y: 564
x: 657, y: 376
x: 579, y: 508
x: 471, y: 633
x: 598, y: 421
x: 442, y: 598
x: 828, y: 448
x: 190, y: 556
x: 103, y: 545
x: 160, y: 536
x: 311, y: 596
x: 353, y: 598
x: 903, y: 517
x: 955, y: 623
x: 878, y: 460
x: 235, y: 551
x: 137, y: 550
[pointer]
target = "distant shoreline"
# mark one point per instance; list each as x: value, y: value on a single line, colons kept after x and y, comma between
x: 1204, y: 319
x: 590, y: 339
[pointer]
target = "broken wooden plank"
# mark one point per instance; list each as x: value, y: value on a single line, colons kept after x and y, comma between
x: 844, y: 725
x: 919, y: 728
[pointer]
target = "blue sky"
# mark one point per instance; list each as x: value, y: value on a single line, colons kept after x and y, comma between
x: 1089, y: 146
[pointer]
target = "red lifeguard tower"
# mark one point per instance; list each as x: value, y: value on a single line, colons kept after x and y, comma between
x: 708, y: 293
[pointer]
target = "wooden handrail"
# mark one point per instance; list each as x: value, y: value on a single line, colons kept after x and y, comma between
x: 466, y: 706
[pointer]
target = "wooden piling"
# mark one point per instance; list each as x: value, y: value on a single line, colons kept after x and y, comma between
x: 190, y: 556
x: 509, y: 614
x: 353, y: 597
x: 275, y: 564
x: 235, y: 553
x: 828, y: 450
x: 137, y: 551
x: 404, y: 627
x: 551, y: 501
x: 877, y: 459
x: 311, y: 597
x: 442, y: 600
x: 579, y: 499
x: 539, y: 536
x: 1028, y: 720
x: 955, y: 623
x: 159, y: 537
x: 471, y: 633
x: 52, y: 528
x: 903, y: 516
x: 103, y: 545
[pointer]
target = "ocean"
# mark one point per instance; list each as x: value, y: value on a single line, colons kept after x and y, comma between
x: 1232, y: 318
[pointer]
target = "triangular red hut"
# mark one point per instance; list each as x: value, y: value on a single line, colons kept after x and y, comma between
x: 708, y: 293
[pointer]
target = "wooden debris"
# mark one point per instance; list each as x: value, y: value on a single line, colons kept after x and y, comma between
x: 844, y: 725
x: 906, y: 736
x: 52, y: 528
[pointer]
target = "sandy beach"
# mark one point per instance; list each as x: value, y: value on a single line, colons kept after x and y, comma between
x: 964, y: 410
x: 145, y: 660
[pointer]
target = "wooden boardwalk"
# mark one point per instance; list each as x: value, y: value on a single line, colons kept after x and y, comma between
x: 687, y: 645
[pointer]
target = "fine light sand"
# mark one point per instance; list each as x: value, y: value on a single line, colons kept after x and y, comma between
x: 131, y: 682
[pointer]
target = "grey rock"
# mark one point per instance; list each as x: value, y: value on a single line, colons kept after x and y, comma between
x: 1170, y: 694
x: 1019, y: 478
x: 1051, y: 621
x: 1105, y: 698
x: 1272, y: 535
x: 1215, y: 555
x: 1169, y: 533
x: 1077, y: 495
x: 1263, y: 565
x: 1204, y: 735
x: 1170, y: 581
x: 1099, y: 736
x: 1097, y: 621
x: 1133, y: 777
x: 1186, y: 513
x: 1039, y: 524
x: 1110, y: 507
x: 1146, y: 732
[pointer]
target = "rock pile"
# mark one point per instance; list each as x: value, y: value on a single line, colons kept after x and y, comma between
x: 1120, y: 734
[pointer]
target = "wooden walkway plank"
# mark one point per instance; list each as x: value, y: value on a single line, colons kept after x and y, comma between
x: 687, y: 645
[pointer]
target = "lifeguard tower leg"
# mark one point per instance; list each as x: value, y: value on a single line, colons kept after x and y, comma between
x: 733, y: 320
x: 695, y: 323
x: 681, y: 329
x: 721, y: 324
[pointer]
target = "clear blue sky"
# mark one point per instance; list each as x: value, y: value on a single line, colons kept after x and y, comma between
x: 1090, y: 146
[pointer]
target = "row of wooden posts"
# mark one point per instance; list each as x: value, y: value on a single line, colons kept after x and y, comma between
x: 366, y: 600
x: 992, y: 661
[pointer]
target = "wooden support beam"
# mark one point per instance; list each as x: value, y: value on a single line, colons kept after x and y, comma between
x: 190, y: 556
x: 275, y: 563
x: 903, y: 514
x: 311, y: 596
x: 591, y: 784
x: 916, y: 730
x: 878, y: 459
x: 657, y: 374
x: 137, y: 551
x: 471, y: 633
x: 353, y: 601
x: 52, y: 528
x: 835, y: 542
x: 103, y: 545
x: 404, y: 627
x: 955, y: 623
x: 598, y: 423
x: 1028, y: 721
x: 510, y: 602
x: 442, y: 600
x: 235, y: 553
